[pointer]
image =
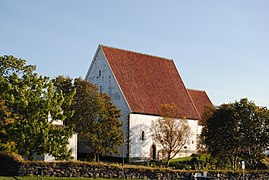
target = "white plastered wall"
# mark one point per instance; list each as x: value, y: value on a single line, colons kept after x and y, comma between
x: 140, y: 149
x: 100, y: 74
x: 200, y: 128
x: 73, y: 144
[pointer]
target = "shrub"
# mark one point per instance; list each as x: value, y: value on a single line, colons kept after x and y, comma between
x: 9, y: 163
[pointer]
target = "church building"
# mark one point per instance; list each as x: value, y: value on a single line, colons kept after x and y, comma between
x: 139, y: 84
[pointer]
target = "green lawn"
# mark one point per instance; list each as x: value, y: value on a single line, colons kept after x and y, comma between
x: 39, y: 177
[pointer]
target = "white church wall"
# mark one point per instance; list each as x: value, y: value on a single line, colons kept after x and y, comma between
x: 190, y: 147
x: 72, y: 145
x: 101, y: 75
x: 200, y: 128
x: 140, y: 148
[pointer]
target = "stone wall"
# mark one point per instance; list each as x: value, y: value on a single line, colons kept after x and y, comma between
x: 67, y: 169
x: 91, y: 170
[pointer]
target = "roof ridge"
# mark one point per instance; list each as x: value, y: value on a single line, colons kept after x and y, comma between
x: 136, y: 52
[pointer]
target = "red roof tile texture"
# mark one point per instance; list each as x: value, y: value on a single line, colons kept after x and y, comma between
x: 148, y: 81
x: 200, y: 100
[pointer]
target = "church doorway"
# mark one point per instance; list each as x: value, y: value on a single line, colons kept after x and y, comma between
x: 153, y: 152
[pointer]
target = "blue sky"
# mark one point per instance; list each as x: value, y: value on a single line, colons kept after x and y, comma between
x: 218, y: 46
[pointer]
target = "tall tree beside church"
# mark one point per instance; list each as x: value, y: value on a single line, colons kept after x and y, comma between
x: 237, y: 131
x: 66, y: 86
x: 208, y: 113
x: 104, y: 134
x: 171, y: 131
x: 86, y: 105
x: 29, y: 99
x: 96, y: 118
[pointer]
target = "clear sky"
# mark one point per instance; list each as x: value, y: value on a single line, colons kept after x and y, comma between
x: 221, y: 46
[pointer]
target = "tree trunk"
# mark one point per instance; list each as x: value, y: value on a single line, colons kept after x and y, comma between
x: 97, y: 157
x: 167, y: 162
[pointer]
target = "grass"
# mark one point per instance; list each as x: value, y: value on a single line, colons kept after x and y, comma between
x: 162, y: 164
x: 43, y: 178
x: 182, y: 159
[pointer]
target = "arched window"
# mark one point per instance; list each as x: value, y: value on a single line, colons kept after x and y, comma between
x: 153, y: 152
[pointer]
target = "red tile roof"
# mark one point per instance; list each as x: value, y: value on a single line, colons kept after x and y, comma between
x: 149, y: 81
x: 200, y: 100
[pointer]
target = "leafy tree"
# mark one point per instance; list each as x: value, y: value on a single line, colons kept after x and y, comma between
x: 5, y: 122
x: 95, y: 116
x: 29, y: 99
x: 86, y: 104
x: 104, y: 134
x: 237, y: 131
x: 208, y: 113
x: 171, y: 131
x: 10, y: 65
x: 65, y: 86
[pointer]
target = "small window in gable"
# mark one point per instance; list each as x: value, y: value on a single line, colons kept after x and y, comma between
x: 100, y: 73
x: 143, y: 136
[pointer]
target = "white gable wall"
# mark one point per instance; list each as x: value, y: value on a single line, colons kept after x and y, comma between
x: 200, y: 128
x: 141, y: 149
x: 100, y: 74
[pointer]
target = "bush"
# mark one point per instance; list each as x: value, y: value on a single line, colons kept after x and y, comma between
x: 9, y: 163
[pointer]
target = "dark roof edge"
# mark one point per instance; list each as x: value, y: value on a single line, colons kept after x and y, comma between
x: 157, y: 115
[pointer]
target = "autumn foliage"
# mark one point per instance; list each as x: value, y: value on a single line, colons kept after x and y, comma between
x: 171, y: 131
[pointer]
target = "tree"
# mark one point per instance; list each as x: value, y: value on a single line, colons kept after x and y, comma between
x: 86, y: 104
x: 10, y: 65
x: 29, y: 99
x: 208, y: 113
x: 5, y: 122
x: 66, y: 86
x: 104, y: 134
x: 237, y: 131
x: 171, y: 131
x: 95, y: 116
